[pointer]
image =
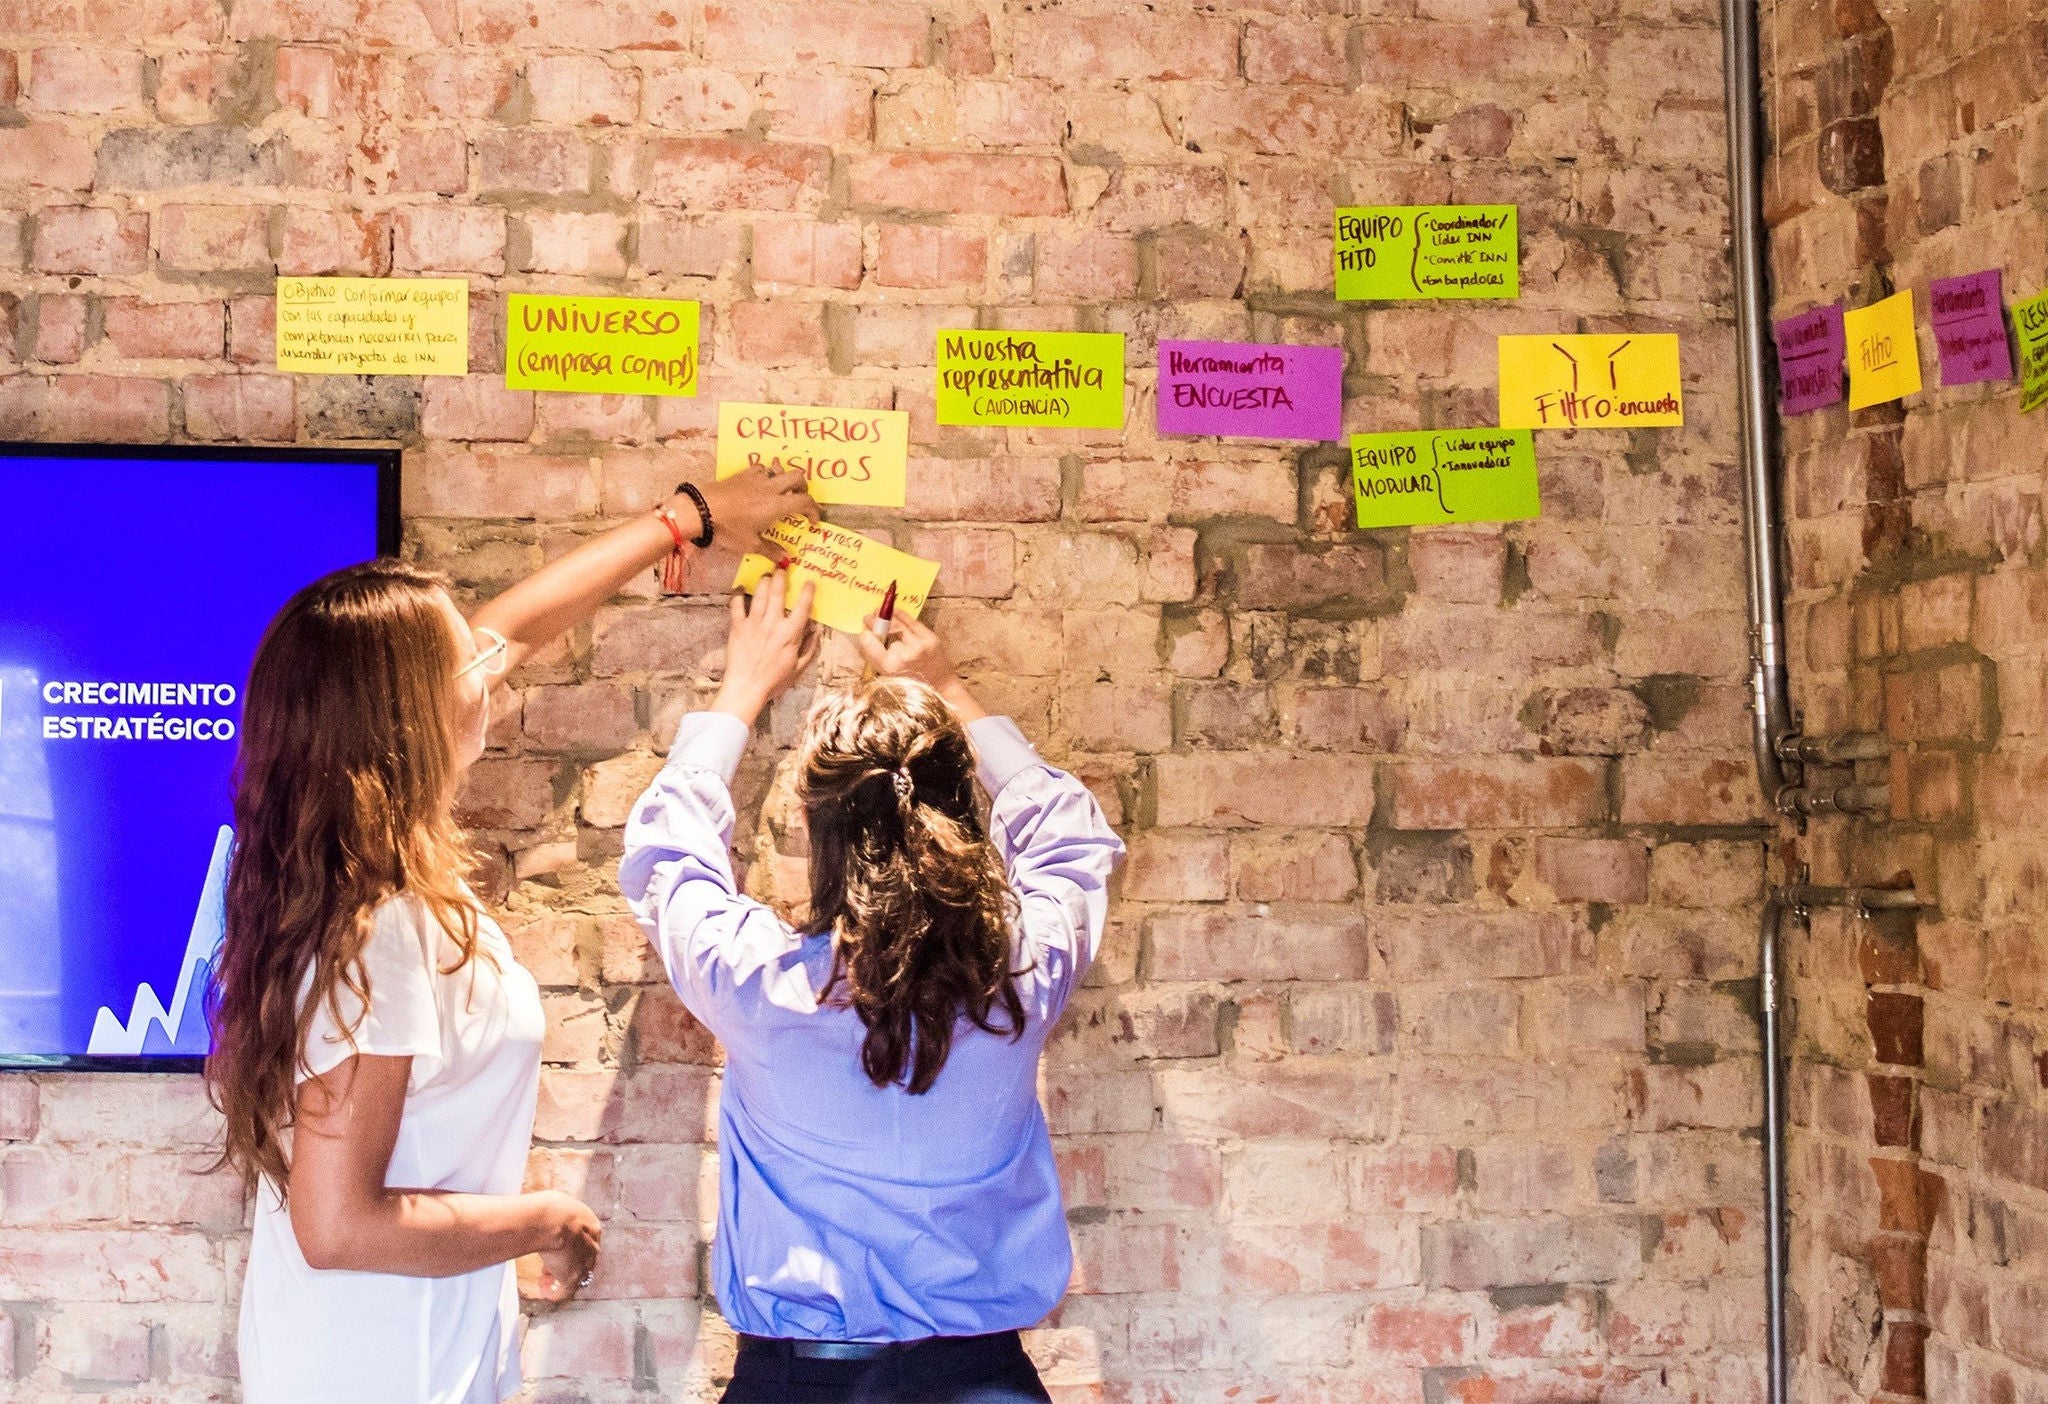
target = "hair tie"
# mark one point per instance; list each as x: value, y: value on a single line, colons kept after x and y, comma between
x: 900, y: 778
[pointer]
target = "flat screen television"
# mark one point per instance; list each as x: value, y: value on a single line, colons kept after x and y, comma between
x: 135, y: 583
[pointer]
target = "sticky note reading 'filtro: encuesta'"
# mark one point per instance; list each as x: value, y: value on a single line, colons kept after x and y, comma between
x: 1621, y: 381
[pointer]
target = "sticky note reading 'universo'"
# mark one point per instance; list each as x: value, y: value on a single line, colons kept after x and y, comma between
x: 601, y: 345
x: 1884, y: 351
x: 1969, y: 328
x: 373, y: 326
x: 855, y: 457
x: 1250, y: 391
x: 2030, y: 320
x: 1397, y: 253
x: 1624, y: 381
x: 1436, y: 477
x: 1071, y: 380
x: 852, y: 572
x: 1810, y: 351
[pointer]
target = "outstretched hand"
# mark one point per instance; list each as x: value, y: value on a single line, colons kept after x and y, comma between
x: 770, y: 642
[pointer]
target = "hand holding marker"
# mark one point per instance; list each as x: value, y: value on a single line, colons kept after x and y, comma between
x: 879, y: 625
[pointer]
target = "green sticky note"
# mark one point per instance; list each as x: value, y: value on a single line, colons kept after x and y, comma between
x: 601, y: 345
x: 1442, y: 477
x: 1071, y: 380
x: 2030, y: 319
x: 1401, y: 253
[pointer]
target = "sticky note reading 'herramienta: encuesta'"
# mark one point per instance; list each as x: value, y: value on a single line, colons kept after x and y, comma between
x: 1070, y: 380
x: 852, y: 457
x: 373, y: 326
x: 601, y: 345
x: 1251, y: 391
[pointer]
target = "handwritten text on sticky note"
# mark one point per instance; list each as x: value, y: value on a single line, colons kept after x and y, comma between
x: 1884, y: 351
x: 1623, y: 381
x: 601, y: 345
x: 852, y: 572
x: 2030, y: 320
x: 1392, y: 253
x: 857, y: 457
x: 1436, y: 477
x: 1249, y: 391
x: 373, y: 326
x: 1811, y: 347
x: 1072, y: 380
x: 1969, y: 328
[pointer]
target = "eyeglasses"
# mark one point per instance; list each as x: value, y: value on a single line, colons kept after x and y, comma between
x: 492, y: 654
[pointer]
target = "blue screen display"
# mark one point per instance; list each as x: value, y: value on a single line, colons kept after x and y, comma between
x: 133, y: 593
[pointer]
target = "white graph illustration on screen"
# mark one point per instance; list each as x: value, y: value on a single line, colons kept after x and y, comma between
x: 151, y: 1027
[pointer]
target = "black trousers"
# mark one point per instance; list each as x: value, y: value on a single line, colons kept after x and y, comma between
x: 943, y: 1370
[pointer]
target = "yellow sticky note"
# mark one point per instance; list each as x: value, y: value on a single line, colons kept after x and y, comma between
x: 1884, y: 351
x: 1623, y: 381
x: 858, y: 457
x: 601, y: 345
x: 373, y: 326
x: 852, y: 572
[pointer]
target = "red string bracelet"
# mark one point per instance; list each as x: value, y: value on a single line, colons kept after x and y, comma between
x: 675, y: 570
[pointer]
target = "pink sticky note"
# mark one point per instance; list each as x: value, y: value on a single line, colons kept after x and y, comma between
x: 1811, y: 350
x: 1969, y: 328
x: 1250, y: 391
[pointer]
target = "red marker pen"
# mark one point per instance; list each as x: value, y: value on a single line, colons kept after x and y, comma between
x: 886, y: 613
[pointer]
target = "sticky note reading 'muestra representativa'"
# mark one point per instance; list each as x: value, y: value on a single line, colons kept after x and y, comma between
x: 2030, y: 320
x: 852, y: 457
x: 852, y: 572
x: 373, y: 326
x: 601, y: 345
x: 1437, y: 477
x: 1624, y: 381
x: 1245, y: 390
x: 1071, y: 380
x: 1396, y: 253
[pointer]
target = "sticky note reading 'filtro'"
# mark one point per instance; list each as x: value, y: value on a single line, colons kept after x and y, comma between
x: 1251, y: 391
x: 601, y: 345
x: 1397, y: 253
x: 1072, y: 380
x: 2030, y: 320
x: 373, y: 326
x: 1624, y: 381
x: 1884, y: 351
x: 1438, y: 477
x: 852, y: 572
x: 853, y: 457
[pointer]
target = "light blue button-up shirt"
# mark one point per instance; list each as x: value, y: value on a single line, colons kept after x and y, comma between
x: 849, y: 1211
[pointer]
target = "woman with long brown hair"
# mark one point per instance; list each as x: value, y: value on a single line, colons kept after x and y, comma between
x: 889, y: 1211
x: 376, y: 1049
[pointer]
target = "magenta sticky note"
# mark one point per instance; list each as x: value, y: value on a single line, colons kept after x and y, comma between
x: 1812, y: 348
x: 1245, y: 390
x: 1969, y: 328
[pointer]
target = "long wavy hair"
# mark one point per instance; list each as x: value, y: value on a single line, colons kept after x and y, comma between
x: 344, y: 795
x: 904, y: 878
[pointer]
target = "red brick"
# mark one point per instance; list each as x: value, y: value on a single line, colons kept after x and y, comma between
x: 778, y: 34
x: 1498, y: 794
x: 581, y: 90
x: 958, y: 184
x: 1594, y: 870
x: 807, y: 255
x: 232, y: 407
x: 712, y: 173
x: 45, y: 155
x: 1299, y: 943
x: 1124, y: 47
x: 60, y: 329
x: 209, y: 238
x: 778, y: 333
x: 178, y: 331
x: 90, y: 82
x: 343, y: 242
x: 84, y: 239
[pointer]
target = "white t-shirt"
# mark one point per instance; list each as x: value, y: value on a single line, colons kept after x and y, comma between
x: 331, y: 1337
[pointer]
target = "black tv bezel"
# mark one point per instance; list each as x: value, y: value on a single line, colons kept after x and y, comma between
x: 390, y: 532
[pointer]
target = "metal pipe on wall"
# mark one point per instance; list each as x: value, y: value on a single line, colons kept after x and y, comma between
x: 1774, y: 1149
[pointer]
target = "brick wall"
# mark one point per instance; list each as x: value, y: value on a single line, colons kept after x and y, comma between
x: 1419, y: 1064
x: 1912, y: 144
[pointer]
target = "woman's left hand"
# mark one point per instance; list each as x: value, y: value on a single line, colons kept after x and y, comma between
x: 747, y: 504
x: 767, y: 647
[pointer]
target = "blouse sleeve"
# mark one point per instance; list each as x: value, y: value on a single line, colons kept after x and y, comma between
x: 403, y: 1018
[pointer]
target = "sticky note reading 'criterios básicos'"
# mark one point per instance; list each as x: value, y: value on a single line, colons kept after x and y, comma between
x: 1070, y: 380
x: 1245, y: 390
x: 1400, y: 253
x: 1969, y: 328
x: 852, y: 457
x: 2030, y: 320
x: 1439, y: 477
x: 373, y: 326
x: 852, y: 572
x: 1884, y: 351
x: 1628, y: 380
x: 1811, y: 348
x: 601, y: 345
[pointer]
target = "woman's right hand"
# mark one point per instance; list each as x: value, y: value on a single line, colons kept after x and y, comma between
x: 914, y: 651
x: 567, y: 1265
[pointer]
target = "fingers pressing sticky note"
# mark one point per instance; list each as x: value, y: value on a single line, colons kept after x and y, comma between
x: 856, y: 457
x: 851, y: 572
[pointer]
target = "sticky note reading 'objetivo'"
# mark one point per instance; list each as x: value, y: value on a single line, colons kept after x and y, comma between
x: 1397, y: 253
x: 1969, y: 328
x: 1623, y: 381
x: 852, y: 572
x: 601, y: 345
x: 373, y: 326
x: 856, y: 457
x: 1439, y: 477
x: 1250, y: 391
x: 2030, y: 320
x: 1884, y: 351
x: 1070, y: 380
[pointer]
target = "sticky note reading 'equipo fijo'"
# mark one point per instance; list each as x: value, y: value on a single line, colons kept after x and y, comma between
x: 373, y: 326
x: 2030, y: 320
x: 1884, y: 351
x: 1070, y: 380
x: 1437, y: 477
x: 858, y: 457
x: 852, y: 572
x: 1969, y: 328
x: 601, y: 345
x: 1398, y: 253
x: 1249, y: 391
x: 1624, y: 381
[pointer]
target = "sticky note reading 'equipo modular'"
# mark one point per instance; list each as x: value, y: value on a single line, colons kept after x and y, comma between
x: 1811, y: 347
x: 1250, y: 391
x: 1069, y: 380
x: 1624, y: 381
x: 852, y: 572
x: 1400, y: 253
x: 2030, y: 320
x: 1884, y: 351
x: 373, y: 326
x: 1438, y: 477
x: 856, y: 457
x: 1969, y: 328
x: 601, y: 345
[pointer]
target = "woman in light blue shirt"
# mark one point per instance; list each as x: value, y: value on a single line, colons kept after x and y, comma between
x: 890, y: 1213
